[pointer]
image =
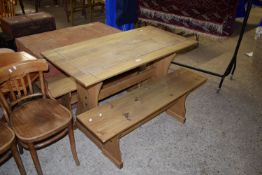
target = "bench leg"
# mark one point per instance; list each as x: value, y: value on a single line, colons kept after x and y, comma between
x: 112, y: 150
x: 178, y: 109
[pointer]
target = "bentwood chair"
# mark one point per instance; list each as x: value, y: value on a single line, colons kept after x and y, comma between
x: 37, y: 120
x: 7, y: 143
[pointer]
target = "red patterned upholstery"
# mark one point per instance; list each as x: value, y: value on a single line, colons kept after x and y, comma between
x: 210, y: 17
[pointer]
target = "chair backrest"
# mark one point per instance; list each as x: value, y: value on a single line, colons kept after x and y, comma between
x: 18, y: 78
x: 7, y: 8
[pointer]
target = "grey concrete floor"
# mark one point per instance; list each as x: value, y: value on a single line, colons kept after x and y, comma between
x: 222, y: 134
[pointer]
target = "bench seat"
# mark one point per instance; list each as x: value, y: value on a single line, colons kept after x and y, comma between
x: 107, y: 123
x: 60, y: 85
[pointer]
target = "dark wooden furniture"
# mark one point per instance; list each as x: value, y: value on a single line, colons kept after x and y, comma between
x: 7, y: 143
x: 28, y: 24
x: 106, y: 124
x: 36, y: 120
x: 38, y: 2
x: 94, y: 4
x: 71, y: 6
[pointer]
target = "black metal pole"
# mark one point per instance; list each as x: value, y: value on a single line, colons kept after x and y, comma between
x: 232, y: 64
x: 249, y: 6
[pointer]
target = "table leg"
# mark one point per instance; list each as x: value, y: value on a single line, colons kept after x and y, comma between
x: 87, y: 97
x: 161, y: 66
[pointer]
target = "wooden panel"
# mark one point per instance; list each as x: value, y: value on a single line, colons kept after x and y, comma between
x: 118, y: 115
x: 95, y: 60
x: 61, y: 85
x: 112, y: 87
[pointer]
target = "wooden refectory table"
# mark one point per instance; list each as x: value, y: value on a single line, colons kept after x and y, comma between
x: 93, y: 62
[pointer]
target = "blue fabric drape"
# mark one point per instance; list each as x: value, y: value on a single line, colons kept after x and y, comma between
x: 126, y: 11
x: 241, y: 11
x: 111, y: 17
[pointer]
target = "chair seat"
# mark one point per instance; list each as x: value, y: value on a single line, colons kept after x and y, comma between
x: 7, y: 136
x: 39, y: 119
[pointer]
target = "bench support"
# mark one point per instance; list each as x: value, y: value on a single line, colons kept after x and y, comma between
x: 178, y: 110
x: 112, y: 150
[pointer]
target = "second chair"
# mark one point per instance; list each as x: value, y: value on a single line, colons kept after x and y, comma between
x: 36, y: 119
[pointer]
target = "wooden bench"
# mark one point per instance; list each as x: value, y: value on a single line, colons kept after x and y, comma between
x: 107, y: 123
x: 63, y: 86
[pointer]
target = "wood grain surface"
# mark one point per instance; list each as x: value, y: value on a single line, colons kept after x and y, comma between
x: 95, y: 60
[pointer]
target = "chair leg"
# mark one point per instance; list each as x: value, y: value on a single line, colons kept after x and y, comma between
x: 65, y: 3
x: 18, y: 159
x: 72, y: 7
x: 35, y: 159
x: 36, y: 5
x: 20, y: 148
x: 84, y: 8
x: 72, y: 142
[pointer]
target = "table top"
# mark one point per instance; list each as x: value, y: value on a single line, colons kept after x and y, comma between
x: 14, y: 57
x: 37, y: 43
x: 95, y: 60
